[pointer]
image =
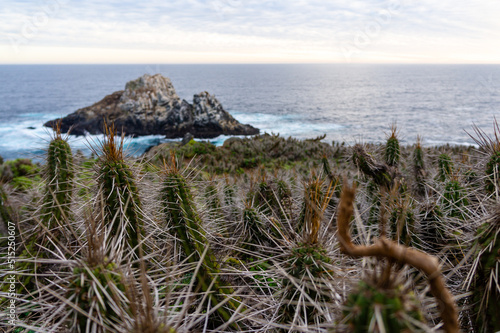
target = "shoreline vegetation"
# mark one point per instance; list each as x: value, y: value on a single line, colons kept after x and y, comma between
x: 264, y: 233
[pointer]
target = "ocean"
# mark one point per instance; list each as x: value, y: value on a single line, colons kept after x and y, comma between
x: 349, y: 103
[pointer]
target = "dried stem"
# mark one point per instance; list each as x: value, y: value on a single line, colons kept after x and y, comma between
x: 384, y: 247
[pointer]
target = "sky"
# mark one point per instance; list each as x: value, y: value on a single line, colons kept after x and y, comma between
x: 249, y: 31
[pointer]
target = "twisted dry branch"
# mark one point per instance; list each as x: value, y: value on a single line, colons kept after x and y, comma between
x: 384, y: 247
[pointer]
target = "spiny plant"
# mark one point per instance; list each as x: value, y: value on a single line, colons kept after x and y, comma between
x: 493, y: 172
x: 118, y: 189
x: 330, y: 175
x: 491, y: 146
x: 380, y: 173
x: 94, y: 295
x: 379, y: 310
x: 58, y: 175
x: 229, y: 192
x: 445, y: 167
x: 402, y: 221
x: 284, y: 194
x: 326, y: 167
x: 419, y: 167
x: 484, y: 277
x: 313, y: 198
x: 379, y: 304
x: 392, y: 150
x: 265, y: 198
x: 213, y: 200
x: 256, y: 236
x: 432, y: 227
x: 214, y: 209
x: 181, y: 214
x: 49, y: 223
x: 140, y: 291
x: 485, y: 273
x: 308, y: 269
x: 373, y: 192
x: 6, y: 212
x: 455, y: 199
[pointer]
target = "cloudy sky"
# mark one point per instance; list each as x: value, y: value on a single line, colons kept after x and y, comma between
x: 249, y: 31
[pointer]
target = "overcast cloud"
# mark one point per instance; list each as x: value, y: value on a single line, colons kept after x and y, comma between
x: 237, y: 31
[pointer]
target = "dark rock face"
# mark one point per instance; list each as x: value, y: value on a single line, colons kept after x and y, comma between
x: 150, y: 105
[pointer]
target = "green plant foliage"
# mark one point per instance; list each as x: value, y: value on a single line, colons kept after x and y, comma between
x: 5, y: 209
x: 92, y: 291
x: 380, y: 173
x: 256, y: 237
x: 403, y: 226
x: 229, y: 193
x: 486, y: 288
x: 21, y: 173
x: 493, y: 172
x: 275, y: 267
x: 119, y: 193
x: 419, y: 168
x: 260, y: 268
x: 240, y: 154
x: 195, y: 148
x: 375, y: 309
x: 213, y: 201
x: 18, y: 168
x: 374, y: 197
x: 402, y: 220
x: 392, y: 151
x: 326, y: 167
x: 455, y: 199
x: 265, y: 200
x: 432, y: 228
x: 308, y: 268
x: 284, y: 194
x: 58, y: 176
x: 181, y: 214
x: 313, y: 199
x: 445, y: 167
x: 25, y: 269
x: 121, y: 199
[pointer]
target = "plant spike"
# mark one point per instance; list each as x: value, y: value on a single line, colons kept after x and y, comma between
x: 381, y: 174
x: 455, y: 199
x: 486, y: 290
x: 392, y: 150
x: 445, y: 167
x: 215, y: 212
x: 96, y: 291
x: 419, y: 167
x: 181, y: 214
x: 6, y: 212
x: 308, y: 267
x: 121, y: 203
x: 384, y: 248
x: 59, y: 186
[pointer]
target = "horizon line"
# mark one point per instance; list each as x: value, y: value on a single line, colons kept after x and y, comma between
x: 249, y: 63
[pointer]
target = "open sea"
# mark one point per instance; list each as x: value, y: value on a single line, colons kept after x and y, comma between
x: 350, y: 103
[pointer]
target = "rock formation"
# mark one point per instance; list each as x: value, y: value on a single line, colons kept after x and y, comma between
x: 150, y: 105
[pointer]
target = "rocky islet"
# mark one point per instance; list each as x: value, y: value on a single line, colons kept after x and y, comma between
x: 149, y: 105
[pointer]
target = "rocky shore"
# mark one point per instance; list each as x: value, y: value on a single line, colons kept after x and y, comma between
x: 149, y: 105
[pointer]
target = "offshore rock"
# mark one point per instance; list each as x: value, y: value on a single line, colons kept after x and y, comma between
x: 149, y: 105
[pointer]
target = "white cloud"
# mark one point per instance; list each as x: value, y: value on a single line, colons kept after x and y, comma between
x: 251, y: 31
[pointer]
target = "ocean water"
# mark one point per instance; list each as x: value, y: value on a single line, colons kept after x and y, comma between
x: 350, y: 103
